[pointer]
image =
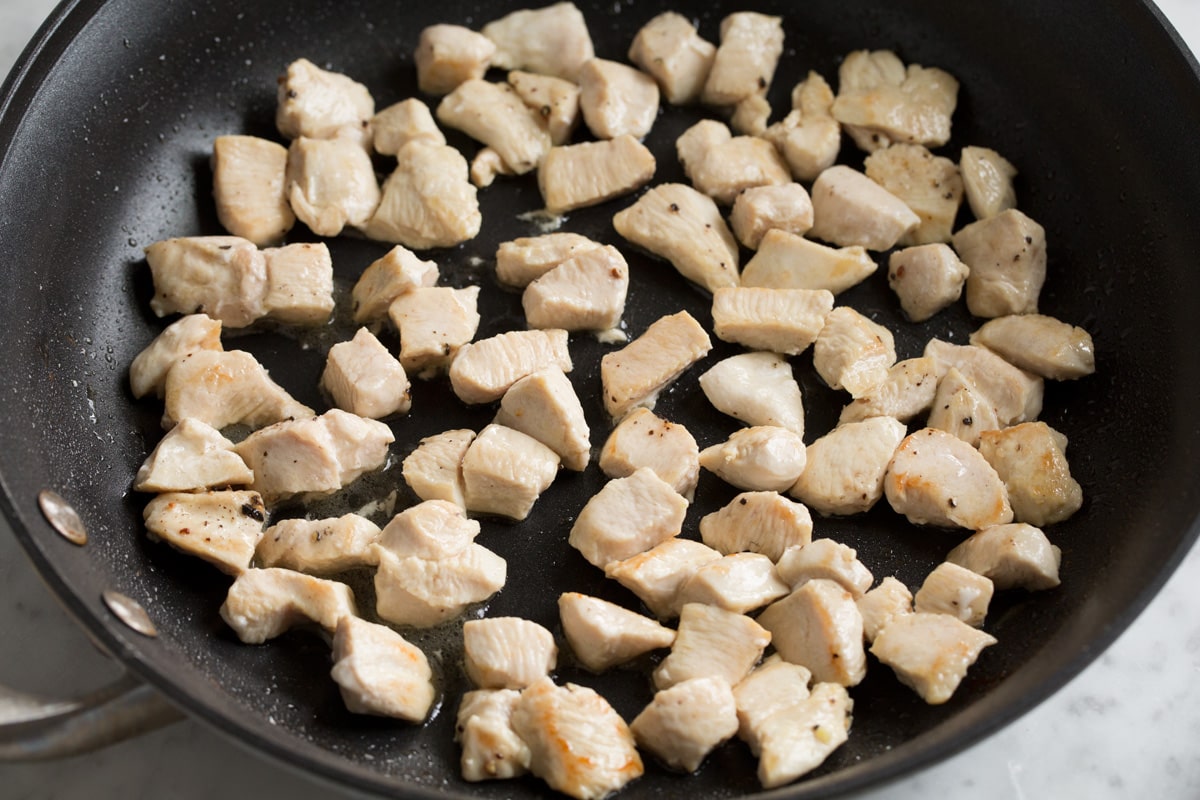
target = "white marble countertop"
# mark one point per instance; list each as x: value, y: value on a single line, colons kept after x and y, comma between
x: 1126, y: 727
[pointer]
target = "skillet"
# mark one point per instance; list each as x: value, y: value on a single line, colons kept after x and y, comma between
x: 105, y: 131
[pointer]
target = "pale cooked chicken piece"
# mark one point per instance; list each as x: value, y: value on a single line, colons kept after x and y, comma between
x: 494, y: 114
x: 686, y: 722
x: 264, y: 603
x: 448, y: 55
x: 319, y: 546
x: 331, y: 184
x: 671, y: 50
x: 430, y: 529
x: 756, y: 388
x: 491, y: 749
x: 434, y: 322
x: 505, y: 471
x: 1031, y: 460
x: 299, y: 284
x: 929, y: 185
x: 553, y: 40
x: 961, y: 409
x: 656, y: 575
x: 796, y: 743
x: 578, y: 743
x: 386, y: 278
x: 603, y: 634
x: 851, y: 209
x: 380, y: 672
x: 1015, y: 395
x: 739, y: 582
x: 148, y: 370
x: 722, y: 165
x: 888, y: 600
x: 249, y: 187
x: 1040, y: 344
x: 507, y: 652
x: 745, y: 61
x: 626, y: 517
x: 930, y: 653
x: 760, y: 458
x: 643, y: 439
x: 1007, y: 258
x: 880, y: 101
x: 678, y: 223
x: 783, y: 321
x: 224, y: 277
x: 584, y: 293
x: 845, y: 468
x: 616, y: 99
x: 852, y: 352
x: 424, y: 592
x: 221, y: 527
x: 314, y: 456
x: 365, y: 379
x: 757, y: 522
x: 927, y: 278
x: 787, y: 261
x: 750, y: 115
x: 712, y: 642
x: 589, y: 173
x: 191, y: 456
x: 827, y: 559
x: 544, y: 405
x: 988, y: 181
x: 486, y: 166
x: 520, y: 261
x: 484, y: 370
x: 1013, y: 555
x: 774, y: 687
x: 935, y: 478
x: 401, y: 123
x: 428, y: 200
x: 758, y: 209
x: 808, y: 138
x: 635, y: 375
x: 433, y: 470
x: 957, y: 591
x: 319, y: 104
x: 818, y: 626
x: 555, y: 100
x: 223, y: 388
x: 907, y: 391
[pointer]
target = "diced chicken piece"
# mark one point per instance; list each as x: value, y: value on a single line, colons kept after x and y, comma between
x: 927, y: 278
x: 434, y: 322
x: 678, y: 223
x: 364, y: 379
x: 845, y: 468
x: 1031, y: 460
x: 493, y: 113
x: 626, y: 517
x: 1015, y: 395
x: 603, y: 634
x: 331, y: 184
x: 738, y: 582
x: 428, y: 200
x: 249, y: 187
x: 888, y: 600
x: 712, y: 642
x: 299, y: 284
x: 758, y: 209
x: 224, y: 277
x: 799, y: 742
x: 852, y: 352
x: 491, y: 749
x: 957, y: 591
x: 226, y: 387
x: 745, y: 61
x: 787, y: 261
x: 1012, y: 555
x: 670, y: 50
x: 757, y: 522
x: 423, y: 592
x: 403, y: 122
x: 783, y: 321
x: 584, y: 293
x: 433, y: 470
x: 504, y: 471
x: 192, y: 456
x: 484, y: 370
x: 319, y: 546
x: 906, y: 391
x: 851, y: 209
x: 551, y: 41
x: 1007, y: 258
x: 380, y: 672
x: 586, y: 174
x: 750, y: 115
x: 314, y: 456
x: 929, y: 185
x: 616, y: 99
x: 808, y: 138
x: 722, y: 165
x: 686, y: 722
x: 762, y: 458
x: 643, y: 439
x: 148, y: 371
x: 935, y: 478
x: 319, y: 104
x: 657, y: 575
x: 264, y: 603
x: 486, y: 166
x: 430, y: 529
x: 775, y: 687
x: 988, y: 181
x: 930, y: 653
x: 756, y: 388
x: 880, y: 101
x: 961, y: 409
x: 1040, y: 344
x: 448, y: 55
x: 507, y: 652
x: 521, y: 261
x: 556, y: 102
x: 223, y: 527
x: 387, y: 278
x: 578, y: 743
x: 544, y: 405
x: 634, y: 375
x: 818, y: 626
x: 828, y: 560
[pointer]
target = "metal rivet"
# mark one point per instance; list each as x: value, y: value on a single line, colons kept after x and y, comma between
x: 130, y: 612
x: 62, y: 517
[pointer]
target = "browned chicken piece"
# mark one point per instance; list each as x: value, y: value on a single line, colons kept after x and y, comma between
x: 493, y: 113
x: 657, y: 575
x: 319, y: 546
x: 299, y: 284
x: 224, y: 277
x: 788, y: 261
x: 221, y: 527
x: 403, y: 122
x: 1015, y: 395
x: 507, y: 652
x: 380, y: 672
x: 433, y: 470
x: 1040, y: 344
x: 930, y: 653
x: 888, y: 600
x: 626, y: 517
x: 264, y: 603
x: 712, y: 642
x: 929, y: 185
x: 845, y: 467
x: 756, y: 388
x: 191, y: 457
x: 774, y: 688
x: 808, y: 138
x: 553, y: 40
x: 431, y: 529
x: 434, y: 323
x: 616, y: 99
x: 961, y: 409
x: 957, y: 591
x: 556, y: 102
x: 249, y: 187
x: 319, y: 104
x: 603, y: 635
x: 1031, y: 460
x: 851, y: 209
x: 505, y: 471
x: 224, y: 388
x: 783, y: 321
x: 491, y: 749
x: 520, y: 261
x: 745, y: 61
x: 906, y: 392
x: 758, y: 209
x: 794, y: 744
x: 643, y: 439
x: 739, y: 582
x: 331, y: 184
x: 852, y: 352
x: 758, y: 522
x: 1007, y: 258
x: 484, y: 370
x: 1016, y: 555
x: 148, y: 370
x: 428, y: 200
x: 670, y: 50
x: 722, y: 165
x: 926, y: 278
x: 634, y: 375
x: 759, y: 458
x: 584, y: 293
x: 988, y: 181
x: 880, y: 101
x: 589, y: 173
x: 365, y: 379
x: 544, y: 405
x: 686, y: 722
x: 424, y: 592
x: 828, y: 560
x: 818, y: 626
x: 448, y: 55
x: 386, y: 278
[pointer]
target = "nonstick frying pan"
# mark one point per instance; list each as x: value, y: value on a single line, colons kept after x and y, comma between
x: 105, y: 132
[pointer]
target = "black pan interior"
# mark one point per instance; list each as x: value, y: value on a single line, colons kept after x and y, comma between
x: 105, y: 136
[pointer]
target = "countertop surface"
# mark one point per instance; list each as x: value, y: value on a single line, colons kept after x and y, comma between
x: 1128, y: 726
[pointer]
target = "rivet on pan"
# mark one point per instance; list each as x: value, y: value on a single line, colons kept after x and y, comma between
x: 62, y: 517
x: 130, y: 612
